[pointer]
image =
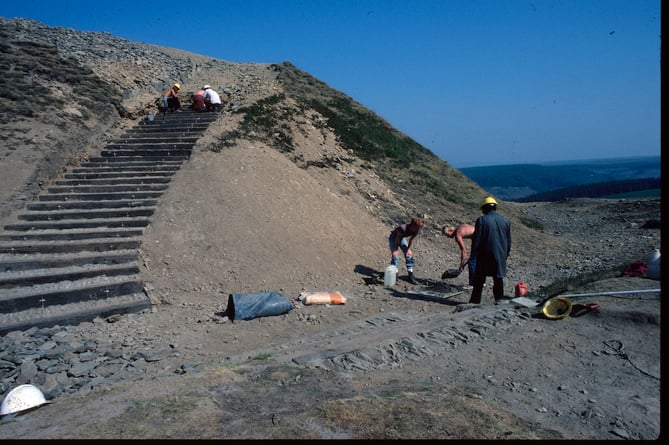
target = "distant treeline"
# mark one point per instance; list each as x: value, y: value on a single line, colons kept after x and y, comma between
x: 594, y: 178
x: 597, y: 190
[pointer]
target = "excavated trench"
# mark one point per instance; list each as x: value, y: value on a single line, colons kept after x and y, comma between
x: 73, y: 254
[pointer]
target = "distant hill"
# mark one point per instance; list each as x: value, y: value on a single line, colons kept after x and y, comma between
x: 552, y: 181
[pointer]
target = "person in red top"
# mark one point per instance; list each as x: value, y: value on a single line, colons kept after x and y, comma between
x: 198, y: 102
x: 402, y: 237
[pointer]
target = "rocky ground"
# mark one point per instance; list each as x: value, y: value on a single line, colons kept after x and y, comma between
x: 403, y: 362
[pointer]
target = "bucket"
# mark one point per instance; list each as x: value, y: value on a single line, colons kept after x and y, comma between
x: 390, y: 276
x: 653, y: 271
x: 150, y: 117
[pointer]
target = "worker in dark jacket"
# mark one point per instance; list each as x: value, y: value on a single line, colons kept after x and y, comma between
x: 491, y: 247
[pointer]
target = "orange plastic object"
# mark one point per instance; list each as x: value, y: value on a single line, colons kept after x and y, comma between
x: 324, y: 298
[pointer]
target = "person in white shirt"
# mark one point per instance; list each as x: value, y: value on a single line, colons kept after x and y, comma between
x: 211, y: 99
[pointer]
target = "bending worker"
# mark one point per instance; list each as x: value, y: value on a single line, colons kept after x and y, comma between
x: 211, y: 99
x: 401, y: 238
x: 460, y: 234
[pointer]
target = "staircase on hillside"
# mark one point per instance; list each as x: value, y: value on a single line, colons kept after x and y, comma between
x: 73, y: 255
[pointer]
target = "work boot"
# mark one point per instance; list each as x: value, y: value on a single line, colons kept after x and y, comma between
x: 412, y: 279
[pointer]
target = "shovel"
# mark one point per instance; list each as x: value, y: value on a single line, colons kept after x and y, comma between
x: 453, y: 273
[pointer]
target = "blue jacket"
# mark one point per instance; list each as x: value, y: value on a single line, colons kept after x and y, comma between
x: 491, y: 244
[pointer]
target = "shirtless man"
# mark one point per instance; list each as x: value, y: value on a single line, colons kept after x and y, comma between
x: 459, y: 234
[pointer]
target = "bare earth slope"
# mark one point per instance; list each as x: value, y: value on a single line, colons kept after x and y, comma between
x: 403, y: 362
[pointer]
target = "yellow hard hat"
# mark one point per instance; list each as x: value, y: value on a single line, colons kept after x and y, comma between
x: 557, y: 307
x: 177, y: 85
x: 489, y: 201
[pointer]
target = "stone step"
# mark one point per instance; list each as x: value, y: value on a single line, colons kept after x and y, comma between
x: 158, y: 159
x: 70, y: 246
x: 73, y: 254
x: 97, y: 302
x: 32, y: 277
x: 108, y: 188
x: 105, y: 166
x: 181, y: 130
x: 48, y: 294
x: 148, y: 147
x: 74, y: 313
x: 100, y: 196
x: 66, y: 224
x: 153, y: 138
x: 113, y: 181
x: 134, y: 153
x: 22, y: 262
x: 58, y: 234
x: 123, y: 173
x: 85, y: 214
x: 93, y: 204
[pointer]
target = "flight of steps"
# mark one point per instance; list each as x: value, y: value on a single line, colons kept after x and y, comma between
x: 73, y: 254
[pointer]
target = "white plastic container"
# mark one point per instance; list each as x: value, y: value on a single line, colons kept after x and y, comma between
x: 390, y: 276
x: 653, y: 271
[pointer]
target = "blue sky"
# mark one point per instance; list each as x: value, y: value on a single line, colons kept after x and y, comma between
x: 478, y: 82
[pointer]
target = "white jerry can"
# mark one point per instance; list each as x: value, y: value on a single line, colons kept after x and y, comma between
x: 390, y: 276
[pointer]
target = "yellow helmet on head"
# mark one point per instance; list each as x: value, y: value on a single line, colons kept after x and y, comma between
x: 177, y: 86
x: 489, y: 201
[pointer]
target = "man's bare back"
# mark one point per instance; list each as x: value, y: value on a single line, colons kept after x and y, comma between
x: 459, y: 234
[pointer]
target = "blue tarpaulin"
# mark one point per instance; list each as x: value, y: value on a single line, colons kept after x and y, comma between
x: 257, y: 304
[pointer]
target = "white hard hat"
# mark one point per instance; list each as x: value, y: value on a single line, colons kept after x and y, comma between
x: 22, y: 398
x: 205, y: 87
